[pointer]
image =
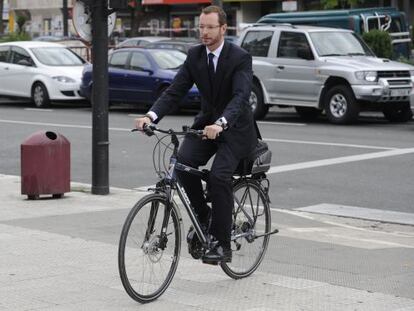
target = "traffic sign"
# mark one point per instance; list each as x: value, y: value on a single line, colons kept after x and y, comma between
x: 82, y: 21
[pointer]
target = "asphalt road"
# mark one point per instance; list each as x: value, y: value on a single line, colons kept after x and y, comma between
x: 315, y: 262
x: 369, y: 164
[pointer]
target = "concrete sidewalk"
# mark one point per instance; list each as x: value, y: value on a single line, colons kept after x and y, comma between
x: 61, y: 254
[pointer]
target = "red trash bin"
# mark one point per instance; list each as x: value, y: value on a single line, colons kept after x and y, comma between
x: 45, y: 165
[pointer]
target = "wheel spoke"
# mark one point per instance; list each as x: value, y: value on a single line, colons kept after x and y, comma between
x: 146, y: 269
x: 249, y: 199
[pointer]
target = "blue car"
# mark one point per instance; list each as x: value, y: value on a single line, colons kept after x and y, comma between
x: 140, y: 76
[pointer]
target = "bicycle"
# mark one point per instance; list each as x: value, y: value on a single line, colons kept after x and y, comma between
x: 150, y: 242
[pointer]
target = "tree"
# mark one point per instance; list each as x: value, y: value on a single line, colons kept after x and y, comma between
x: 331, y: 4
x: 1, y: 16
x: 380, y: 42
x: 21, y: 20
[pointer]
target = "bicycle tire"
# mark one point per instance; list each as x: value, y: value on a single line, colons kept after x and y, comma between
x: 247, y: 255
x: 140, y: 256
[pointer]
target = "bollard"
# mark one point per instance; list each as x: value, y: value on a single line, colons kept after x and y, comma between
x: 45, y: 165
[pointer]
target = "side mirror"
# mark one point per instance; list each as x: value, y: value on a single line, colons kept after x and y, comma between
x: 24, y: 62
x: 305, y: 53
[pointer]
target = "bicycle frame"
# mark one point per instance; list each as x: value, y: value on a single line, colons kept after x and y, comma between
x: 174, y: 184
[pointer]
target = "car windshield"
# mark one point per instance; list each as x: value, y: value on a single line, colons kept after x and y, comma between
x: 168, y: 59
x: 339, y: 44
x: 57, y: 56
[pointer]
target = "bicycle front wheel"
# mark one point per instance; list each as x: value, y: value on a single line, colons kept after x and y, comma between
x: 251, y: 222
x: 148, y: 254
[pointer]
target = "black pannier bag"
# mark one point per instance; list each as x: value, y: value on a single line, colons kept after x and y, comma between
x: 258, y: 162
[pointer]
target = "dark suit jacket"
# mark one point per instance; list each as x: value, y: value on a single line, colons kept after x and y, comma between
x: 229, y: 96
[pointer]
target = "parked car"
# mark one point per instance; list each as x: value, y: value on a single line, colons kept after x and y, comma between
x: 74, y: 43
x: 42, y: 71
x: 360, y: 20
x: 182, y: 46
x: 138, y: 75
x: 139, y: 41
x: 52, y: 38
x: 232, y: 39
x: 316, y: 68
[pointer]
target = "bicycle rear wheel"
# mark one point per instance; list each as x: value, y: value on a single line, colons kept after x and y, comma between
x: 148, y: 258
x: 251, y: 220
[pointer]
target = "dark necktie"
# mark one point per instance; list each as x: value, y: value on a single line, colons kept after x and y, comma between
x: 211, y: 69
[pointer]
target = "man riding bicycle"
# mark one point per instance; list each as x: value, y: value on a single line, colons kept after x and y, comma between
x: 223, y: 74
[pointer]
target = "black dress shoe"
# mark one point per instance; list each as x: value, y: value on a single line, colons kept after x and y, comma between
x: 217, y: 254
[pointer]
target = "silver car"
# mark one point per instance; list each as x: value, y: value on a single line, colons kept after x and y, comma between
x: 315, y: 69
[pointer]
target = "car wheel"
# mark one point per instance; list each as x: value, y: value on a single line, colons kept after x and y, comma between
x: 257, y: 104
x: 308, y: 113
x: 398, y: 113
x: 40, y: 96
x: 341, y: 106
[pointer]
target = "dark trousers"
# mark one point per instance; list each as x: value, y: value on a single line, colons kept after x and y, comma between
x: 195, y: 152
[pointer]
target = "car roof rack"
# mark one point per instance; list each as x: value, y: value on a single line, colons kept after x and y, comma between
x: 273, y: 24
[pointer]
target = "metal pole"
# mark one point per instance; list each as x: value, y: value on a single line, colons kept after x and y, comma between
x: 65, y: 17
x: 100, y: 143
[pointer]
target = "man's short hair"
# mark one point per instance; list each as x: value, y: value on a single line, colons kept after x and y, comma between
x: 222, y: 16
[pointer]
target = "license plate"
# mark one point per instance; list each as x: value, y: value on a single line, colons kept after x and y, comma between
x: 403, y: 92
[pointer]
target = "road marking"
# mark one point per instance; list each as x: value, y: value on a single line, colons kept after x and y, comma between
x: 259, y: 122
x: 281, y: 123
x: 327, y: 144
x: 62, y: 125
x: 127, y: 130
x: 273, y: 169
x: 305, y: 215
x: 361, y: 213
x: 39, y: 109
x: 346, y: 237
x: 339, y: 160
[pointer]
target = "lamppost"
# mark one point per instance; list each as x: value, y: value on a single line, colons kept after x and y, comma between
x: 65, y: 17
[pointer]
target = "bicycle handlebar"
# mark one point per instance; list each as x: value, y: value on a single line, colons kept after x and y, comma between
x: 149, y: 130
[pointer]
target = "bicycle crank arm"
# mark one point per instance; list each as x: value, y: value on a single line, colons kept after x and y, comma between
x: 266, y: 234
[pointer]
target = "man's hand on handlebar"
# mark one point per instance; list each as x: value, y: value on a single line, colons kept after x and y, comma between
x: 140, y: 122
x: 212, y: 131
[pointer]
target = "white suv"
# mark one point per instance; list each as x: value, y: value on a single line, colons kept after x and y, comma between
x: 316, y: 69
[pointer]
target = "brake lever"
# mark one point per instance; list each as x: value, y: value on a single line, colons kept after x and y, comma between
x: 148, y: 130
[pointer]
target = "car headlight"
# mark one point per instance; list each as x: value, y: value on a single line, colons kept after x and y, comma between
x: 370, y: 76
x: 63, y: 79
x: 412, y: 73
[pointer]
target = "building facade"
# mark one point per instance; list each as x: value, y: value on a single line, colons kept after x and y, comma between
x: 175, y: 18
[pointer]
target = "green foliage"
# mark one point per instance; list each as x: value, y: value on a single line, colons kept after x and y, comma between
x: 21, y: 20
x: 405, y: 60
x: 332, y: 4
x: 380, y: 42
x: 15, y: 36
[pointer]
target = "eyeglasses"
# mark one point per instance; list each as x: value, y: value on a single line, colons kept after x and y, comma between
x: 208, y: 27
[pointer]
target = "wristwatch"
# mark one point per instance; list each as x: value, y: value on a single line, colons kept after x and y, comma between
x: 222, y: 122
